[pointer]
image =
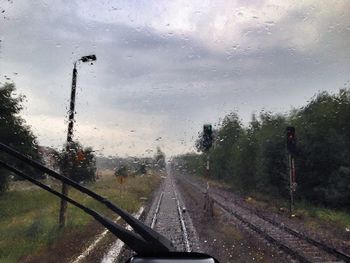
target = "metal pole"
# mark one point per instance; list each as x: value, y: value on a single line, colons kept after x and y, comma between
x: 207, y: 174
x: 291, y: 183
x: 63, y: 208
x: 208, y: 206
x: 208, y: 166
x: 293, y: 175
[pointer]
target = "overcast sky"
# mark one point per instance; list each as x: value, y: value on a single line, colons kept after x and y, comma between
x: 164, y: 68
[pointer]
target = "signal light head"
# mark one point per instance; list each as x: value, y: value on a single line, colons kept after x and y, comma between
x: 207, y: 140
x: 291, y: 140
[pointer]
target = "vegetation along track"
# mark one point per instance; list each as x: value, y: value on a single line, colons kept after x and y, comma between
x: 294, y: 243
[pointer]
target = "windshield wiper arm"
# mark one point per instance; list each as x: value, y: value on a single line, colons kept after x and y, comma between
x: 158, y: 242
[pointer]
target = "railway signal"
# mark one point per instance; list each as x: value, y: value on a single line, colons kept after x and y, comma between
x: 292, y: 149
x: 207, y: 140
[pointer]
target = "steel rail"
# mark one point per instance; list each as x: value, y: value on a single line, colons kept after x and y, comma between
x: 182, y: 221
x: 154, y: 219
x: 324, y: 247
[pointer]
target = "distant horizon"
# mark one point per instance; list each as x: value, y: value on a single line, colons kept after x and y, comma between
x: 214, y: 124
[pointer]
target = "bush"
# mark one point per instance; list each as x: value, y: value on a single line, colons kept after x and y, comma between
x: 338, y: 191
x: 78, y: 163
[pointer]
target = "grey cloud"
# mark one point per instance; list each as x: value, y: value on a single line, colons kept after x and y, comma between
x: 176, y: 77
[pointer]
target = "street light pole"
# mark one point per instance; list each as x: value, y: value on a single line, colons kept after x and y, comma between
x: 72, y: 105
x: 63, y: 207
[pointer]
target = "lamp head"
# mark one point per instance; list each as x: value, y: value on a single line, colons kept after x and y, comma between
x: 89, y: 58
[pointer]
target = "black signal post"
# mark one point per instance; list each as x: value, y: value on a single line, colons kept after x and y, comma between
x: 291, y: 148
x: 207, y: 142
x: 63, y: 207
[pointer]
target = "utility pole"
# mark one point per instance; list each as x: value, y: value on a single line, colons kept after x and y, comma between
x: 291, y: 147
x: 63, y: 207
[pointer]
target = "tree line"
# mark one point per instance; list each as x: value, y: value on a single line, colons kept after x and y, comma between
x: 253, y: 157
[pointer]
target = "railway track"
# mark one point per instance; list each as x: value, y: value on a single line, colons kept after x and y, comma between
x: 168, y: 217
x: 294, y: 243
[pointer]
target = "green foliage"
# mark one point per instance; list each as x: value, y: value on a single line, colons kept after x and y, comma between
x: 225, y: 144
x: 123, y: 171
x: 78, y: 162
x: 160, y: 159
x: 324, y: 146
x: 14, y: 132
x: 190, y: 163
x: 271, y: 169
x: 254, y: 158
x: 142, y: 169
x: 338, y: 190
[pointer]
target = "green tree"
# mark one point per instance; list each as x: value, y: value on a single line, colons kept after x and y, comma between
x: 272, y: 169
x: 221, y: 158
x: 244, y: 163
x: 191, y: 163
x: 14, y: 132
x: 123, y: 171
x: 160, y: 158
x: 142, y: 168
x: 337, y: 193
x: 324, y: 146
x: 78, y: 163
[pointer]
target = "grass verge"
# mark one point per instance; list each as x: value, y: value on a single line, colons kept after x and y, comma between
x: 311, y: 214
x: 28, y: 218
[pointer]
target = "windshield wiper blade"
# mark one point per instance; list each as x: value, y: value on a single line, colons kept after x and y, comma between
x: 135, y: 242
x: 158, y: 242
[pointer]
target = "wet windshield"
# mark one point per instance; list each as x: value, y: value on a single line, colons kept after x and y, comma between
x: 222, y: 125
